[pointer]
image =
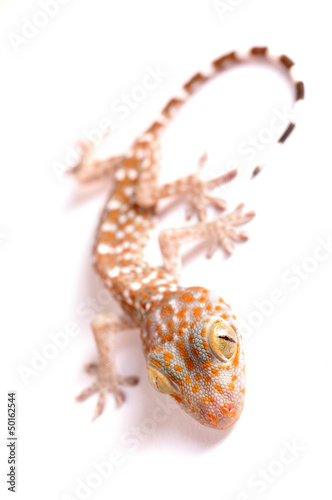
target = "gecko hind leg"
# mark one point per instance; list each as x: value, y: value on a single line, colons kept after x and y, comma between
x: 104, y: 328
x: 222, y: 231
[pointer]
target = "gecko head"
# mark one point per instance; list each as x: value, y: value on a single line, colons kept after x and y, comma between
x: 194, y: 354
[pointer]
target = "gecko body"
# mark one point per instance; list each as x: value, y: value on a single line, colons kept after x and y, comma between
x: 190, y: 337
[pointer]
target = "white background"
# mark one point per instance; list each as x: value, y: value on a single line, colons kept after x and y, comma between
x: 63, y: 81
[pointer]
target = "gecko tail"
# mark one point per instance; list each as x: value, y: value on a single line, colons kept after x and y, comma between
x: 218, y: 66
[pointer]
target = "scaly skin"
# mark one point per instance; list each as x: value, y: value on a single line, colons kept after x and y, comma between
x: 192, y: 345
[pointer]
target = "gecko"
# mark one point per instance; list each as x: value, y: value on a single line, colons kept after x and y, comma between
x: 191, y: 340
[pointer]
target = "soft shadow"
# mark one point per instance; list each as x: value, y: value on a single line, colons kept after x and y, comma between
x: 82, y: 193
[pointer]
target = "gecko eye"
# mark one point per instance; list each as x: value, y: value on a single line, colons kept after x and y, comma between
x: 223, y: 341
x: 160, y: 382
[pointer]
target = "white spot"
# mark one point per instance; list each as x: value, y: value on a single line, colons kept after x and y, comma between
x: 146, y: 163
x: 127, y: 256
x: 132, y: 174
x: 135, y: 286
x: 128, y: 190
x: 120, y: 174
x: 114, y: 272
x: 108, y: 227
x: 113, y: 204
x: 140, y: 153
x: 129, y: 228
x: 103, y: 249
x: 122, y: 218
x: 120, y: 235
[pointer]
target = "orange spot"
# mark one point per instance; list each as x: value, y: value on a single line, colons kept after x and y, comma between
x: 167, y: 310
x: 205, y: 345
x: 177, y: 368
x: 191, y: 338
x: 183, y: 324
x: 186, y: 297
x: 187, y: 379
x: 197, y: 311
x: 195, y: 352
x: 195, y: 388
x: 180, y: 344
x: 159, y: 330
x: 167, y: 363
x: 157, y: 363
x: 218, y: 388
x: 181, y: 314
x: 168, y: 355
x: 218, y: 308
x: 198, y: 376
x: 207, y: 379
x: 207, y: 399
x: 184, y: 353
x: 231, y: 386
x: 190, y: 364
x: 203, y: 332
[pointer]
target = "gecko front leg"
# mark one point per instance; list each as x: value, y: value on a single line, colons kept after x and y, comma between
x: 222, y: 231
x: 90, y: 169
x: 104, y: 328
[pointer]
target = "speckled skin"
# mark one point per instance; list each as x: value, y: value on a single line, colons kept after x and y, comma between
x: 175, y: 323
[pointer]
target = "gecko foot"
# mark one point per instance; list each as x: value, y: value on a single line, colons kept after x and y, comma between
x: 103, y: 386
x: 199, y: 196
x: 104, y: 327
x: 223, y: 232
